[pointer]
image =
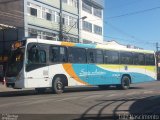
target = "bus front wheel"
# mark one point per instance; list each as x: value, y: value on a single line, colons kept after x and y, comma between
x: 125, y: 83
x: 57, y: 85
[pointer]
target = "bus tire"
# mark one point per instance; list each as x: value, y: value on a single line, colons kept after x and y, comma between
x: 125, y: 83
x: 40, y: 90
x: 58, y: 85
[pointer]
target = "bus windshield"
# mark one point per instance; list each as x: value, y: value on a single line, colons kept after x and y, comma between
x: 15, y: 62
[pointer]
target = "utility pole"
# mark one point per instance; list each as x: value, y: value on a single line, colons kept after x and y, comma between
x: 157, y: 46
x: 157, y: 59
x: 60, y: 23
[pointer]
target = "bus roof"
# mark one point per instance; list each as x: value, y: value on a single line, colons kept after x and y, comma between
x: 81, y: 45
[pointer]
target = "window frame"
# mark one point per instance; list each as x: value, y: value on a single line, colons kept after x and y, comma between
x: 87, y: 26
x: 35, y: 65
x: 86, y: 7
x: 117, y: 52
x: 59, y: 58
x: 102, y: 56
x: 84, y: 59
x: 126, y: 53
x: 138, y: 58
x: 88, y: 56
x: 97, y: 30
x: 96, y: 12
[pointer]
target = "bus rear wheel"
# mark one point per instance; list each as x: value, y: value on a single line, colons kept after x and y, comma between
x: 125, y: 83
x: 57, y: 85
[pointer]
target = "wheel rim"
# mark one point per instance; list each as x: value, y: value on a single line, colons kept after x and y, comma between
x: 59, y: 85
x: 126, y: 82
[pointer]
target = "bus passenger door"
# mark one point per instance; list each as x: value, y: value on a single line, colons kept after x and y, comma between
x: 36, y: 66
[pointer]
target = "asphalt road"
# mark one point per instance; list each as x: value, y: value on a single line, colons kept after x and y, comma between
x: 82, y: 103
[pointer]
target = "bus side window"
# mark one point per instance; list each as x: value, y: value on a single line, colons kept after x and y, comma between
x: 138, y: 59
x: 36, y: 56
x: 33, y: 56
x: 58, y: 54
x: 91, y: 56
x: 126, y: 58
x: 42, y: 56
x: 63, y: 54
x: 76, y: 55
x: 99, y: 56
x: 54, y: 54
x: 111, y: 57
x: 150, y: 60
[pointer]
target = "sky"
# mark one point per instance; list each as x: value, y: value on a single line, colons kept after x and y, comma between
x: 133, y: 22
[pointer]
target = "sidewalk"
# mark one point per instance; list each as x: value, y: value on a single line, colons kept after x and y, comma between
x: 3, y: 88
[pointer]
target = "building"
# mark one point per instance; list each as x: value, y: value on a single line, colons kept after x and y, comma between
x: 37, y: 18
x: 41, y: 18
x: 50, y: 19
x: 115, y: 44
x: 92, y: 26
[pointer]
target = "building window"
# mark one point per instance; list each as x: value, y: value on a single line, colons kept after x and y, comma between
x: 53, y: 16
x: 32, y: 33
x: 73, y: 22
x: 42, y: 34
x: 97, y: 12
x: 57, y: 18
x: 65, y: 19
x: 34, y: 10
x: 86, y: 7
x: 73, y: 39
x: 87, y: 26
x: 98, y: 30
x: 47, y: 14
x: 73, y: 3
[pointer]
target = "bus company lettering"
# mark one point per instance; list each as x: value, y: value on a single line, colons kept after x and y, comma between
x: 89, y: 73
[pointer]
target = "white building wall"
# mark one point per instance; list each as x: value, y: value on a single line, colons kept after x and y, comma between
x: 91, y: 36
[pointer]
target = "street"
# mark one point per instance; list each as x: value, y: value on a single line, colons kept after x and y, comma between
x: 80, y: 103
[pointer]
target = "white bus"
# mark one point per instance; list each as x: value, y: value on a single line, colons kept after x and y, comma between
x: 42, y: 64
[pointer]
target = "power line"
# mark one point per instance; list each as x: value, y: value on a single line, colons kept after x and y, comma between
x: 115, y: 28
x: 134, y: 13
x: 121, y: 31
